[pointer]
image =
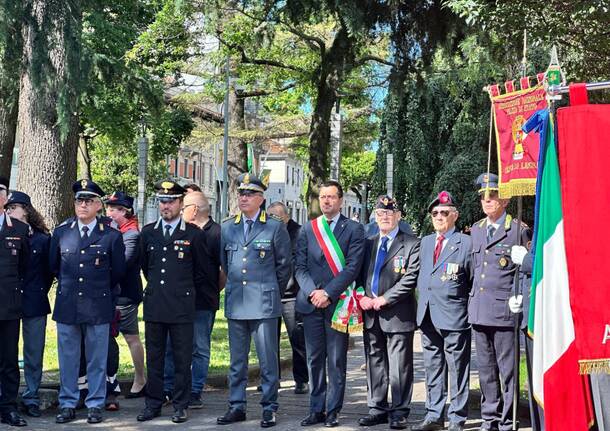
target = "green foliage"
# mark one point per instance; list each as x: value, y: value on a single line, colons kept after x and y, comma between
x: 438, y: 131
x: 356, y: 168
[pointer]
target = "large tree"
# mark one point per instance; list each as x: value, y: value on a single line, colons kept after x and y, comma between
x: 11, y: 45
x: 48, y: 105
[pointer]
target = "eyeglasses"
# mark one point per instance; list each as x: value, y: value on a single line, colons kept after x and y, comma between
x: 444, y: 213
x: 87, y: 201
x: 384, y: 213
x: 13, y: 207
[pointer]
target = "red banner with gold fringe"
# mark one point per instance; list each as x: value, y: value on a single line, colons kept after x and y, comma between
x: 517, y: 151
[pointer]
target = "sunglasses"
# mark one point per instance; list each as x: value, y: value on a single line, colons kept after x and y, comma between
x: 444, y: 213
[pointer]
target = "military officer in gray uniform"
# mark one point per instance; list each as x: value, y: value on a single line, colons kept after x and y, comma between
x: 444, y: 283
x: 256, y: 257
x: 488, y: 309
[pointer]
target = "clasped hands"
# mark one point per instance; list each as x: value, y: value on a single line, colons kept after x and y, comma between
x: 367, y: 303
x: 319, y: 298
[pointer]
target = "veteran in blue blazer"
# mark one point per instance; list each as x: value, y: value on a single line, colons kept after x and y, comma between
x: 316, y: 301
x: 88, y: 259
x: 444, y: 284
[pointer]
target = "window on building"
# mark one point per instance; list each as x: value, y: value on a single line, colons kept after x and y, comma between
x: 175, y: 172
x: 211, y: 176
x: 195, y: 171
x: 287, y: 174
x: 186, y: 167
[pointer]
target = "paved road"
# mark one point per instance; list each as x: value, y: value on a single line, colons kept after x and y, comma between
x: 292, y: 407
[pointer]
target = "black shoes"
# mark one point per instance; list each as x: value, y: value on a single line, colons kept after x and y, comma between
x: 65, y: 415
x: 331, y: 420
x: 138, y: 394
x: 13, y: 419
x: 32, y: 410
x: 148, y: 414
x: 399, y: 423
x: 372, y: 420
x: 268, y: 419
x: 195, y: 401
x: 301, y: 388
x: 312, y: 419
x: 179, y: 416
x: 231, y: 416
x: 94, y: 415
x: 429, y: 425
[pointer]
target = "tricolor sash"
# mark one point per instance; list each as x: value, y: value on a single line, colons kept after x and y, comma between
x: 347, y: 316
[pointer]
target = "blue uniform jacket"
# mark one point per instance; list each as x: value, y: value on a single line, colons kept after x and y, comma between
x: 38, y: 278
x: 444, y: 287
x: 257, y: 270
x: 87, y: 271
x: 494, y: 273
x: 14, y: 254
x: 312, y: 270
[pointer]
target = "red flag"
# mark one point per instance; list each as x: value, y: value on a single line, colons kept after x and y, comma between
x: 525, y: 82
x: 509, y: 86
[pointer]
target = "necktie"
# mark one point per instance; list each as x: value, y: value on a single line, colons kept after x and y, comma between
x: 490, y: 233
x: 381, y: 254
x: 248, y: 229
x: 438, y: 248
x: 85, y: 229
x: 167, y: 229
x: 330, y: 224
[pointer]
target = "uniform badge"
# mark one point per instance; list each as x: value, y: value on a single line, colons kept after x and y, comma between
x: 443, y: 278
x: 166, y: 185
x: 261, y: 254
x: 503, y: 262
x: 176, y: 247
x: 397, y: 264
x: 97, y: 261
x: 83, y: 184
x: 180, y: 255
x: 14, y: 252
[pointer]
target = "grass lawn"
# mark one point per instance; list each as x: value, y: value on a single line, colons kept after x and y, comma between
x: 219, y: 361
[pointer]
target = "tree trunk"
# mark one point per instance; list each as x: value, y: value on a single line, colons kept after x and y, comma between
x: 83, y: 157
x: 48, y: 123
x: 238, y: 155
x: 11, y: 48
x: 336, y: 62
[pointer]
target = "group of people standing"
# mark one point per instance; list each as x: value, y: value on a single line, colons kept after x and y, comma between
x: 448, y: 284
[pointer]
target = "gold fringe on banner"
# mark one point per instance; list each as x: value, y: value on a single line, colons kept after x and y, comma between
x: 518, y: 188
x: 351, y: 329
x: 594, y: 366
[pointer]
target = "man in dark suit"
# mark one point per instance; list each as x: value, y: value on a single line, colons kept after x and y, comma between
x: 488, y: 309
x: 88, y: 259
x: 292, y: 319
x: 317, y: 299
x: 14, y: 256
x: 444, y: 283
x: 389, y: 275
x: 173, y: 262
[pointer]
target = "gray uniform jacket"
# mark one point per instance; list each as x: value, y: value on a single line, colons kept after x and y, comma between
x: 312, y: 270
x: 397, y: 281
x: 257, y: 270
x: 494, y: 273
x: 444, y: 287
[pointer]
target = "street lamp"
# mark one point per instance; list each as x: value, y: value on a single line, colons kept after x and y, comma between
x: 142, y: 164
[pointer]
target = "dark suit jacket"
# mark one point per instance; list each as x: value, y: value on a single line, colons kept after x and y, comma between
x: 37, y: 281
x: 444, y: 296
x: 312, y: 271
x: 293, y: 286
x: 14, y: 255
x: 131, y: 284
x: 398, y: 288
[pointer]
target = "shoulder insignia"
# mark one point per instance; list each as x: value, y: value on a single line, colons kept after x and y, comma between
x: 274, y: 217
x: 263, y: 217
x: 508, y: 221
x: 237, y: 218
x: 101, y: 226
x: 227, y: 218
x: 481, y: 222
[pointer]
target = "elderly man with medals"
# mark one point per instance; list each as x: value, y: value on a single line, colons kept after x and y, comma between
x: 444, y: 283
x: 389, y: 274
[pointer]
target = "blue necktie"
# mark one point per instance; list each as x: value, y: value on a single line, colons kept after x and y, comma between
x: 381, y: 254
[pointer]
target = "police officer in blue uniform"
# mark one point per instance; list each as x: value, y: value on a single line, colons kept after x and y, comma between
x: 488, y: 309
x: 35, y: 300
x: 88, y: 259
x: 173, y: 262
x: 14, y: 255
x: 256, y: 257
x: 444, y: 283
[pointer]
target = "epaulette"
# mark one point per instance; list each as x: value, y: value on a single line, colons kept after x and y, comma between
x: 228, y: 218
x: 481, y: 222
x: 508, y: 221
x: 275, y: 217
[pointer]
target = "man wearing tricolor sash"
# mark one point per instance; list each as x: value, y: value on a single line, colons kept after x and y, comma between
x: 389, y: 276
x: 328, y: 259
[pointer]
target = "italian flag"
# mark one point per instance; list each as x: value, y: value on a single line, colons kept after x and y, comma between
x: 557, y: 385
